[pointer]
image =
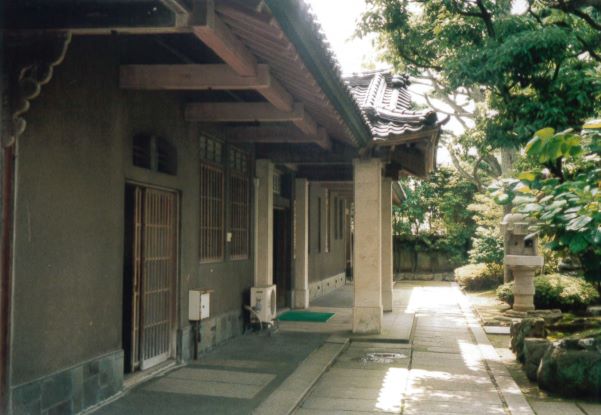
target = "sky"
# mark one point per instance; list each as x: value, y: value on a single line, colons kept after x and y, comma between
x: 338, y: 19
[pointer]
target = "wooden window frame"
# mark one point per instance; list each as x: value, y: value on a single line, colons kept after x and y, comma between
x: 341, y: 218
x: 328, y: 224
x: 336, y: 235
x: 212, y: 207
x: 239, y: 199
x: 319, y: 225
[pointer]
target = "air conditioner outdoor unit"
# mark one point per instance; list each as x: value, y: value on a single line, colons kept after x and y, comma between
x: 263, y: 303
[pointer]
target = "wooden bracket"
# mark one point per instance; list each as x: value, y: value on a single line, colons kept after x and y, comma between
x: 33, y: 58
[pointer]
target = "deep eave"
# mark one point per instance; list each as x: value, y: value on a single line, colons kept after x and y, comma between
x: 301, y: 29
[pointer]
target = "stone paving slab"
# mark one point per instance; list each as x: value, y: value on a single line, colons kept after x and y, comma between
x: 591, y: 408
x: 304, y: 411
x: 362, y: 405
x: 556, y: 408
x: 450, y: 367
x: 453, y: 407
x: 206, y: 388
x: 396, y: 328
x: 288, y: 395
x: 233, y: 379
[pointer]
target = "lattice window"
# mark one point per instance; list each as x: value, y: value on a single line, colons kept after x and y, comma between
x: 319, y: 224
x: 336, y: 235
x: 211, y: 150
x: 212, y: 194
x: 277, y: 183
x: 328, y: 222
x: 341, y: 218
x: 239, y: 200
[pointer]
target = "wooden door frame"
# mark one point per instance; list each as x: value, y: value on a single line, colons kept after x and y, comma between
x: 175, y: 314
x: 8, y: 183
x: 289, y: 252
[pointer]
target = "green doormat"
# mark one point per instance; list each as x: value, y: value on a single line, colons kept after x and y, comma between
x: 298, y: 315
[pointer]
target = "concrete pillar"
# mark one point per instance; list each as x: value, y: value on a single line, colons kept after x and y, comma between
x: 387, y: 256
x: 264, y: 224
x: 367, y: 260
x: 301, y: 243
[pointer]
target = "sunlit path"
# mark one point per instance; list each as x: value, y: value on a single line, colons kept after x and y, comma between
x: 448, y: 367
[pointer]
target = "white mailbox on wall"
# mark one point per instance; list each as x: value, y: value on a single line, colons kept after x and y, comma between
x: 199, y: 304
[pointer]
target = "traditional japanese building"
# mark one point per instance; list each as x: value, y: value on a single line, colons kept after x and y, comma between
x: 155, y: 147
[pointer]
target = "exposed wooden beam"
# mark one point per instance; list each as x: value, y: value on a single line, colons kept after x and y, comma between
x: 191, y: 77
x: 340, y: 187
x: 411, y: 160
x: 327, y: 173
x: 277, y: 134
x: 176, y: 6
x: 406, y: 138
x: 209, y: 28
x: 307, y: 125
x: 323, y: 140
x: 81, y: 16
x: 179, y: 9
x: 277, y: 95
x: 242, y: 112
x: 304, y: 154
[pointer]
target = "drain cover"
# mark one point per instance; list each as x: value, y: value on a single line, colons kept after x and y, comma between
x: 382, y: 357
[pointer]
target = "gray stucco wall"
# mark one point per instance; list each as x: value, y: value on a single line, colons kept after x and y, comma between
x: 323, y: 265
x: 72, y: 165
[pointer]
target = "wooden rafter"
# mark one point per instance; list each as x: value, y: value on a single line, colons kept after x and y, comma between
x: 209, y: 28
x: 242, y: 112
x: 411, y: 160
x: 179, y: 9
x: 191, y: 77
x: 277, y: 134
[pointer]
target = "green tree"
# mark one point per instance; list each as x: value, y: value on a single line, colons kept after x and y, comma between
x: 433, y: 214
x: 563, y: 195
x: 536, y: 69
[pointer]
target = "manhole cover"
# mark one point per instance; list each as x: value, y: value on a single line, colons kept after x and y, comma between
x: 382, y: 357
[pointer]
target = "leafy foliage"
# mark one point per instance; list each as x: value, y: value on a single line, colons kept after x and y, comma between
x: 537, y: 69
x: 478, y: 277
x: 433, y: 213
x: 487, y: 242
x: 563, y: 195
x: 556, y: 291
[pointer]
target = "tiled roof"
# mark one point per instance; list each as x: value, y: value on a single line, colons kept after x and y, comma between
x: 385, y: 100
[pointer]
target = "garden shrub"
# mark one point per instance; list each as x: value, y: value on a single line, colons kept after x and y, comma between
x: 477, y: 277
x: 556, y: 291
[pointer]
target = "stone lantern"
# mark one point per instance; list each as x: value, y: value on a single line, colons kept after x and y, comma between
x: 521, y: 260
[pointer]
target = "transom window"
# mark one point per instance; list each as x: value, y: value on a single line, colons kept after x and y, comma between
x: 154, y: 153
x: 211, y: 150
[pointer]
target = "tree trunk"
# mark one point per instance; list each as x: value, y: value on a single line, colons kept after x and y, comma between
x: 508, y: 157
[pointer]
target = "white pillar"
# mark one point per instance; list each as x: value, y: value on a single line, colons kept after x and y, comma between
x: 264, y: 224
x: 387, y: 244
x: 301, y: 243
x: 367, y: 307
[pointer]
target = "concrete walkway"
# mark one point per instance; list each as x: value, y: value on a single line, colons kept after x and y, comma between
x: 448, y: 368
x: 235, y: 378
x: 443, y: 364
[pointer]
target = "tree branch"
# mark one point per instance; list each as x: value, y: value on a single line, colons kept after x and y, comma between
x: 490, y: 29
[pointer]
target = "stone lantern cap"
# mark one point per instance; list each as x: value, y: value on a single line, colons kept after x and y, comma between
x: 515, y: 223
